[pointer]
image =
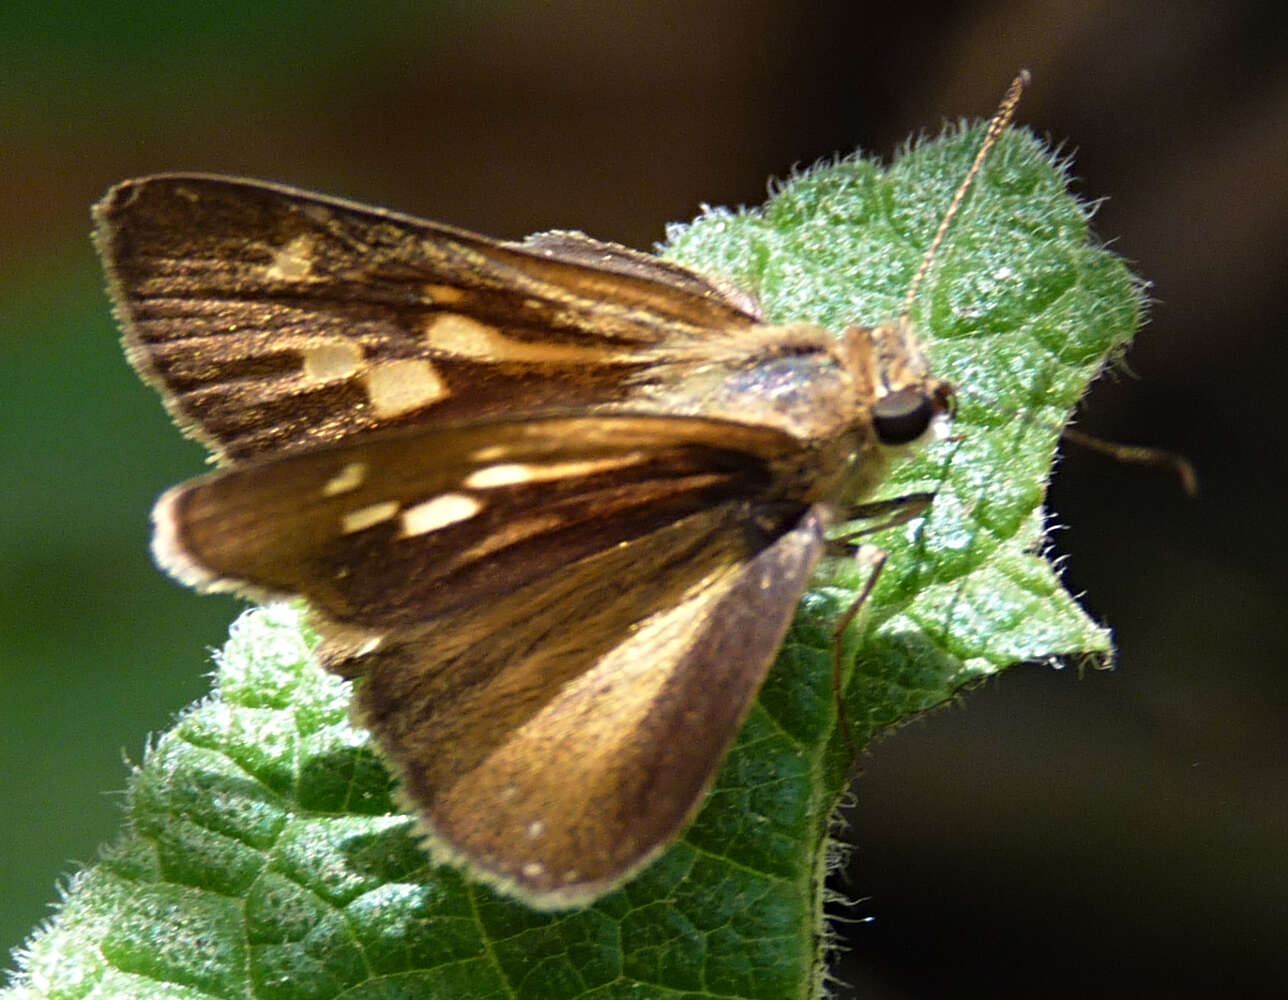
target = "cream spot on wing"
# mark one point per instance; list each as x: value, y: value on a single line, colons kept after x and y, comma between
x: 328, y: 360
x: 444, y: 295
x: 369, y: 647
x: 438, y: 513
x: 536, y: 828
x: 534, y: 869
x: 292, y: 262
x: 459, y: 335
x: 503, y: 536
x: 511, y: 473
x: 489, y: 454
x: 346, y: 480
x: 396, y: 387
x: 365, y: 517
x: 498, y: 475
x: 453, y: 333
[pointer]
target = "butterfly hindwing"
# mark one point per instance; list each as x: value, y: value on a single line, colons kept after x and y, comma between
x: 591, y: 744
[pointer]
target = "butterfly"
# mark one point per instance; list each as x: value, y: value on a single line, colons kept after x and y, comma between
x: 551, y: 503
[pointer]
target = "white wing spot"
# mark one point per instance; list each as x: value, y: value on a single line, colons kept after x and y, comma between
x: 438, y: 513
x: 534, y: 869
x: 329, y: 360
x: 535, y: 829
x: 396, y: 387
x: 512, y: 473
x: 366, y: 517
x: 292, y: 262
x: 346, y: 480
x: 498, y: 475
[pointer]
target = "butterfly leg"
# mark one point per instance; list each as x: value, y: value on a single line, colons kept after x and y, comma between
x: 890, y: 514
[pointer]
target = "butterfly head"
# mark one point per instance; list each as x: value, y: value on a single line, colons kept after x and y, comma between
x: 907, y: 404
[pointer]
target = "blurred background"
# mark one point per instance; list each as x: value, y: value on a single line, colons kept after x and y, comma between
x: 1118, y: 833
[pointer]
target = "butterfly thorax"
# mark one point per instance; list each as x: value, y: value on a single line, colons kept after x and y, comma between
x: 790, y: 378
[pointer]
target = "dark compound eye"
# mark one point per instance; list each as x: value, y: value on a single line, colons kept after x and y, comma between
x: 903, y: 416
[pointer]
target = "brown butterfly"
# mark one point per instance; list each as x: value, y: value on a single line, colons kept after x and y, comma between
x: 552, y: 503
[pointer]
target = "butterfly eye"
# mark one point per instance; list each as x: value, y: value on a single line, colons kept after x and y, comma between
x: 903, y: 416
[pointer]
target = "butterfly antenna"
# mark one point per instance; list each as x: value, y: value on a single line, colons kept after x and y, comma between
x: 1135, y: 454
x: 1001, y: 118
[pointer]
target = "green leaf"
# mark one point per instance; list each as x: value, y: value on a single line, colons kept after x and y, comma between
x: 265, y: 856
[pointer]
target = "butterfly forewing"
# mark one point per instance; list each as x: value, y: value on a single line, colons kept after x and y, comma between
x: 271, y: 319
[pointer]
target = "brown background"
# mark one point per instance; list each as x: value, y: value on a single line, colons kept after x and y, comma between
x: 1118, y: 834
